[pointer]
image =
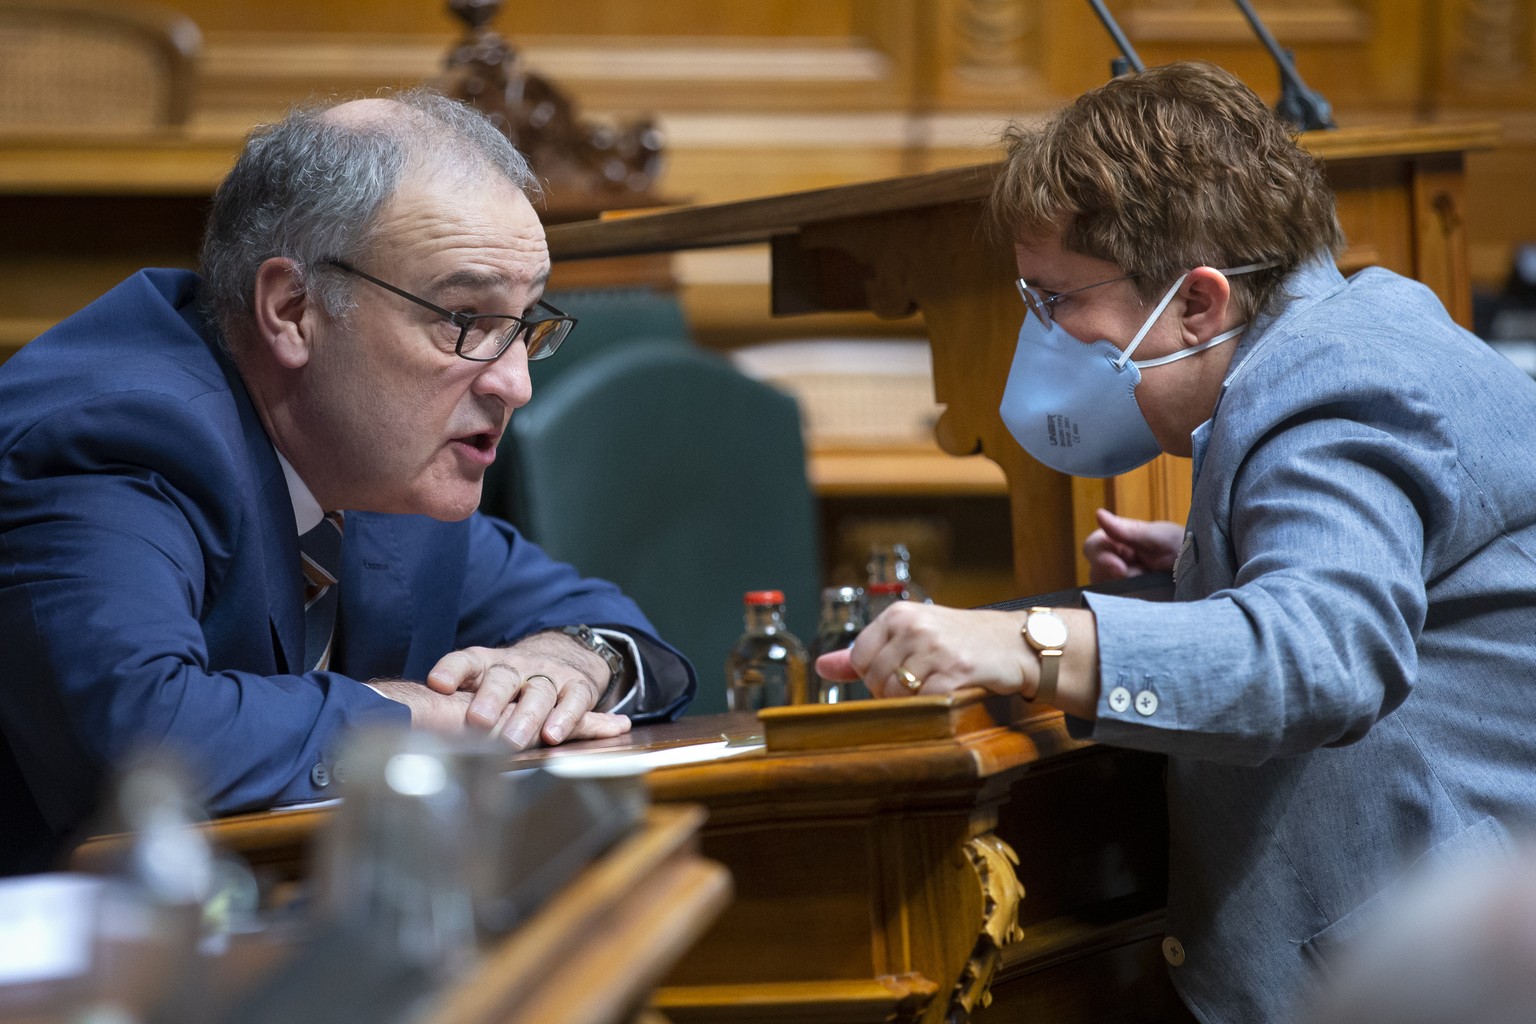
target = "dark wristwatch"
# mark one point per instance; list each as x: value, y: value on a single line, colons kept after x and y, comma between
x: 585, y: 636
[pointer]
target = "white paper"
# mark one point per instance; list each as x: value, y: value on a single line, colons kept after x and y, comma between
x: 46, y: 926
x: 608, y: 764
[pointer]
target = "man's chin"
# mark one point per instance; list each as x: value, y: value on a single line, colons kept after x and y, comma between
x: 451, y: 503
x: 453, y: 512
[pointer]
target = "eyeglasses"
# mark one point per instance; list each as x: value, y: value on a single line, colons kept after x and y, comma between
x: 1041, y: 303
x: 483, y: 337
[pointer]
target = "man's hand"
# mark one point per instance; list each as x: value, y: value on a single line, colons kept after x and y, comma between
x: 544, y: 686
x: 1123, y: 547
x: 430, y: 710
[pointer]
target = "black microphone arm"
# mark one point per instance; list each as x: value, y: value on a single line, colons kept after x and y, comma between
x: 1302, y: 107
x: 1131, y: 61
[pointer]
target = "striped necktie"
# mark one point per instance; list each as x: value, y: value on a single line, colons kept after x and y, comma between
x: 320, y: 551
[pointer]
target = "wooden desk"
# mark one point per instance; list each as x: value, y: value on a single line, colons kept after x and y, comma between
x: 590, y: 955
x: 919, y: 243
x: 871, y: 848
x: 913, y: 470
x: 600, y: 945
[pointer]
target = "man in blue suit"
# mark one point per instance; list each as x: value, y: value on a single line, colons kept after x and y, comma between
x: 342, y: 369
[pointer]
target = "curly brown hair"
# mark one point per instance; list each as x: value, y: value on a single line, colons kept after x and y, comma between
x: 1179, y: 166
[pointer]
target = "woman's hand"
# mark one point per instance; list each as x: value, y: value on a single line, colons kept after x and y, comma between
x: 941, y: 649
x: 1123, y: 547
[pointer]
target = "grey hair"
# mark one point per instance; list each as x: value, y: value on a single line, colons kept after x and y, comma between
x: 310, y: 188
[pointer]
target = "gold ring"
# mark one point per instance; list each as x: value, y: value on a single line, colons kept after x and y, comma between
x: 908, y: 680
x: 539, y: 675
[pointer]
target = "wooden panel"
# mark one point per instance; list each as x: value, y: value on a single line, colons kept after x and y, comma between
x: 866, y: 472
x: 1160, y: 490
x: 1125, y: 984
x: 734, y: 84
x: 989, y: 53
x: 1484, y: 57
x: 1440, y: 232
x: 255, y: 76
x: 1376, y: 214
x: 763, y: 18
x: 849, y: 1001
x: 804, y: 894
x: 602, y: 942
x: 798, y: 95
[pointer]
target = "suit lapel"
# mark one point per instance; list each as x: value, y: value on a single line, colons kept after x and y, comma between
x: 376, y: 594
x: 274, y: 522
x: 280, y: 550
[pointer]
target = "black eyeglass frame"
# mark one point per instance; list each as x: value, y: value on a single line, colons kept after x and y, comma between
x: 521, y: 326
x: 1040, y: 304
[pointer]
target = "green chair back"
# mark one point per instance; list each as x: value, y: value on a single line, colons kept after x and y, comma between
x: 608, y: 317
x: 664, y: 469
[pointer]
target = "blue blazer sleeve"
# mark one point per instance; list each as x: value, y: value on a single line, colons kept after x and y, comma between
x: 135, y: 591
x: 414, y: 589
x: 503, y: 564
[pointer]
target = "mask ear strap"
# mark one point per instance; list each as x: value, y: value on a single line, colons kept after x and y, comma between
x: 1146, y: 326
x: 1174, y: 357
x: 1125, y: 357
x: 1249, y: 268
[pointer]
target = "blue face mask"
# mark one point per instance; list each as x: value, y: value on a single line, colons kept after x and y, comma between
x: 1072, y: 404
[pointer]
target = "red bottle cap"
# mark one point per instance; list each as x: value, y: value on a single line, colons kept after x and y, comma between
x: 764, y: 597
x: 886, y: 588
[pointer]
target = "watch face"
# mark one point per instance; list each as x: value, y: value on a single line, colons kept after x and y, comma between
x: 1046, y: 630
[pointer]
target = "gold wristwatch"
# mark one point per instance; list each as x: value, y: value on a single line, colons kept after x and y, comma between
x: 1046, y: 632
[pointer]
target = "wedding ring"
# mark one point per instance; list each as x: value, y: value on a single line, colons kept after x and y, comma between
x: 538, y: 675
x: 908, y: 680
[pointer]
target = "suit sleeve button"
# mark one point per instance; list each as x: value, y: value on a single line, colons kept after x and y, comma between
x: 1146, y: 703
x: 320, y: 775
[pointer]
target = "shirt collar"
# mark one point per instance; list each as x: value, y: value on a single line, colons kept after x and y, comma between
x: 1315, y: 279
x: 307, y: 512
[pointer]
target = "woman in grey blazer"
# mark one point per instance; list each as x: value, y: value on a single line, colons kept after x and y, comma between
x: 1346, y: 684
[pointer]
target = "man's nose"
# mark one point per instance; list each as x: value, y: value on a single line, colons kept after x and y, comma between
x: 507, y: 377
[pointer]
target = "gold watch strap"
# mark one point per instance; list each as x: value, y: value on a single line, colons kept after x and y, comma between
x: 1050, y: 662
x: 1050, y: 665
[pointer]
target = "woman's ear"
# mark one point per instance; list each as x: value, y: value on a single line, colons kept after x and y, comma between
x: 284, y: 312
x: 1208, y: 306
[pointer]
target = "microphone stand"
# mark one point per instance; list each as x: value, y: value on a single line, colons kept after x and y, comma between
x: 1302, y: 107
x: 1120, y: 65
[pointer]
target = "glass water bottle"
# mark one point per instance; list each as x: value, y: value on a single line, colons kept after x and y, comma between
x: 766, y: 666
x: 842, y: 616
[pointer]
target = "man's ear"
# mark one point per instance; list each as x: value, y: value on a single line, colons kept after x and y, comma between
x: 285, y: 313
x: 1207, y: 305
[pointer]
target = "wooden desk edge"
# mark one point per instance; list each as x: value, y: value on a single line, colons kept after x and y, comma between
x: 884, y: 998
x: 759, y: 219
x: 651, y: 886
x: 280, y: 839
